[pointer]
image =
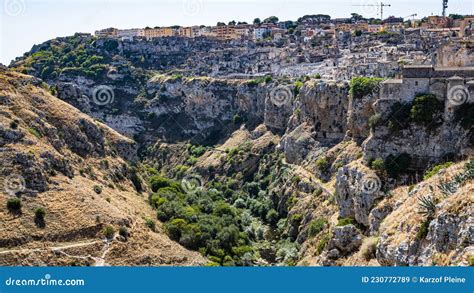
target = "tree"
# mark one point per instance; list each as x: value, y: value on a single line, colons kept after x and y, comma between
x: 220, y: 24
x: 14, y: 205
x: 257, y: 21
x: 356, y: 17
x: 232, y: 22
x: 271, y: 19
x: 272, y: 217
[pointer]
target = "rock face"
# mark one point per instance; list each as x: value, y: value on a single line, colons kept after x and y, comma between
x: 297, y: 144
x: 206, y: 107
x: 346, y: 239
x: 358, y: 116
x: 324, y: 105
x: 423, y: 146
x: 357, y: 190
x: 403, y: 254
x: 441, y: 136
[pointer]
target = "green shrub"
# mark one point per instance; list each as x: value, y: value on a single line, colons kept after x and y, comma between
x: 323, y: 242
x: 435, y: 169
x: 316, y: 226
x: 40, y: 213
x: 34, y: 132
x: 378, y: 164
x: 322, y: 164
x: 156, y: 201
x: 345, y: 222
x: 14, y: 204
x: 111, y: 44
x: 109, y: 231
x: 272, y: 217
x: 192, y: 160
x: 427, y: 110
x: 298, y: 85
x: 260, y: 80
x: 295, y: 219
x: 157, y: 182
x: 427, y: 206
x: 197, y: 151
x: 237, y: 119
x: 175, y: 227
x: 363, y: 86
x: 423, y: 230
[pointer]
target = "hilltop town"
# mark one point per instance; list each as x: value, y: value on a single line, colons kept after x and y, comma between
x: 304, y: 29
x: 337, y: 49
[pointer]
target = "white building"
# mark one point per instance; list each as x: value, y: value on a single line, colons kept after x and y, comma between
x: 130, y: 33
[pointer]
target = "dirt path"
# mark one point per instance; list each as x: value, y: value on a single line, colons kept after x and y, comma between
x: 98, y: 261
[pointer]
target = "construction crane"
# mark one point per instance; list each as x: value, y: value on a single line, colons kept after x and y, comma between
x: 381, y: 5
x: 445, y: 6
x: 412, y: 16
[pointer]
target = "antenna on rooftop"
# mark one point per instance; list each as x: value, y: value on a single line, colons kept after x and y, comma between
x: 445, y: 6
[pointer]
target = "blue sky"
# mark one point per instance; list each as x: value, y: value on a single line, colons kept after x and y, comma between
x: 24, y: 23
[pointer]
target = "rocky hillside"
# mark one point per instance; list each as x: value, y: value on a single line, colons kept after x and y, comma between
x: 71, y: 194
x: 264, y: 171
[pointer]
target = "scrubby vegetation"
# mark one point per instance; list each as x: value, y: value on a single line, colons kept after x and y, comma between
x: 14, y: 205
x: 451, y: 186
x: 227, y: 219
x: 345, y: 221
x: 435, y: 169
x: 316, y: 226
x: 427, y: 110
x: 202, y: 221
x: 109, y: 232
x: 68, y: 56
x: 323, y: 242
x: 364, y: 86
